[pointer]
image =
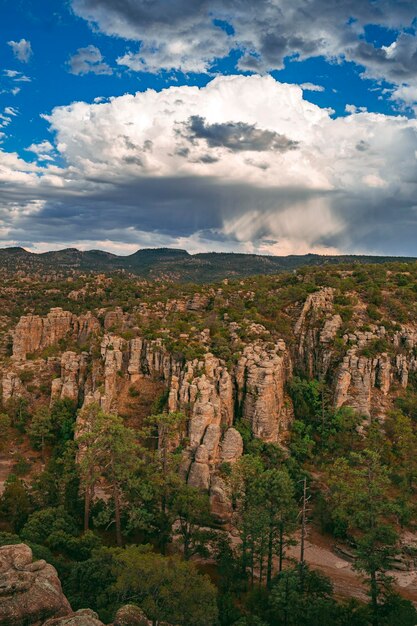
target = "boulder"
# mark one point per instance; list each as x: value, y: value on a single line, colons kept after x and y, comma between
x: 131, y: 615
x: 83, y: 617
x: 232, y: 446
x: 30, y: 592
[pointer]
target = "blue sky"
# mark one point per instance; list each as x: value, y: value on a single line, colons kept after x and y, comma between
x: 56, y: 34
x: 352, y: 60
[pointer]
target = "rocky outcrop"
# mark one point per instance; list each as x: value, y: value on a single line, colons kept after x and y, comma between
x: 12, y: 386
x: 358, y: 380
x: 364, y: 383
x: 231, y: 446
x: 261, y: 374
x: 18, y: 378
x: 220, y: 501
x: 83, y: 617
x: 30, y: 592
x: 199, y: 475
x: 131, y: 615
x: 314, y: 329
x: 34, y: 333
x: 73, y: 373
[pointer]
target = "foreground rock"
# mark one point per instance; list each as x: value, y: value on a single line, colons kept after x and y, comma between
x: 83, y: 617
x: 131, y: 615
x: 30, y: 592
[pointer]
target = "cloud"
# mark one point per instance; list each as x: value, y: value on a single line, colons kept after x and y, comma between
x: 190, y: 35
x: 11, y: 111
x: 11, y: 77
x: 17, y: 77
x: 42, y: 150
x: 311, y: 87
x: 88, y: 60
x: 169, y: 168
x: 21, y: 49
x: 6, y: 118
x: 236, y: 136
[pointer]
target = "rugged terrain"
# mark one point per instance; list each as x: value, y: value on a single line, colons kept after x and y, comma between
x: 223, y: 354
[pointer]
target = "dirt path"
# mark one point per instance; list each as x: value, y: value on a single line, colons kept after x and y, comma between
x: 346, y: 581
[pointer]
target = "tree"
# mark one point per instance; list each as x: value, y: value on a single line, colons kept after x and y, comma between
x: 161, y: 474
x: 111, y: 453
x: 5, y: 429
x: 63, y: 414
x: 266, y: 513
x: 360, y: 499
x: 40, y: 429
x: 17, y: 409
x: 245, y: 499
x: 191, y: 508
x: 89, y: 583
x: 402, y: 449
x: 58, y: 484
x: 15, y: 503
x: 166, y: 588
x: 277, y: 498
x: 88, y: 457
x: 296, y: 600
x: 42, y: 525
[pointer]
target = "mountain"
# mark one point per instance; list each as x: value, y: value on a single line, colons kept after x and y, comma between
x: 173, y: 264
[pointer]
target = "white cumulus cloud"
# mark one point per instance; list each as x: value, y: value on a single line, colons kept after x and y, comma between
x: 245, y: 163
x: 21, y: 49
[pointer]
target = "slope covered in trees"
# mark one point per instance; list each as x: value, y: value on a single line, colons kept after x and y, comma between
x: 173, y: 447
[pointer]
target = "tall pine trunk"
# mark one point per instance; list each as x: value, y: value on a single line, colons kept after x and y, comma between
x: 374, y: 598
x: 87, y: 506
x: 281, y: 546
x: 117, y: 517
x: 270, y: 556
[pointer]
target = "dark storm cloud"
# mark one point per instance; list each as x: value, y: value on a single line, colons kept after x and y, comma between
x: 380, y: 222
x: 395, y: 63
x: 377, y: 221
x: 175, y: 206
x: 237, y: 136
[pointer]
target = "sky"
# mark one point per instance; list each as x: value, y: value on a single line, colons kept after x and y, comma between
x: 270, y: 127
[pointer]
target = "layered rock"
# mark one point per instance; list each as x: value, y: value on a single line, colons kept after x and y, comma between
x: 34, y: 333
x: 17, y: 378
x: 73, y: 373
x: 315, y: 329
x: 30, y: 592
x: 360, y: 381
x: 261, y: 375
x: 364, y: 383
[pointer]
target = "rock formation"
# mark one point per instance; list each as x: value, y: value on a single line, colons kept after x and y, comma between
x: 30, y: 592
x: 358, y: 380
x: 73, y: 371
x: 261, y: 375
x: 131, y: 615
x: 34, y: 333
x: 212, y: 395
x: 83, y: 617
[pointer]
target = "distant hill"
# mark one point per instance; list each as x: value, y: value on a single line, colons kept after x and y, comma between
x: 172, y: 264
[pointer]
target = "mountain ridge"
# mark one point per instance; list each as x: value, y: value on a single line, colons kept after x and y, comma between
x: 174, y: 263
